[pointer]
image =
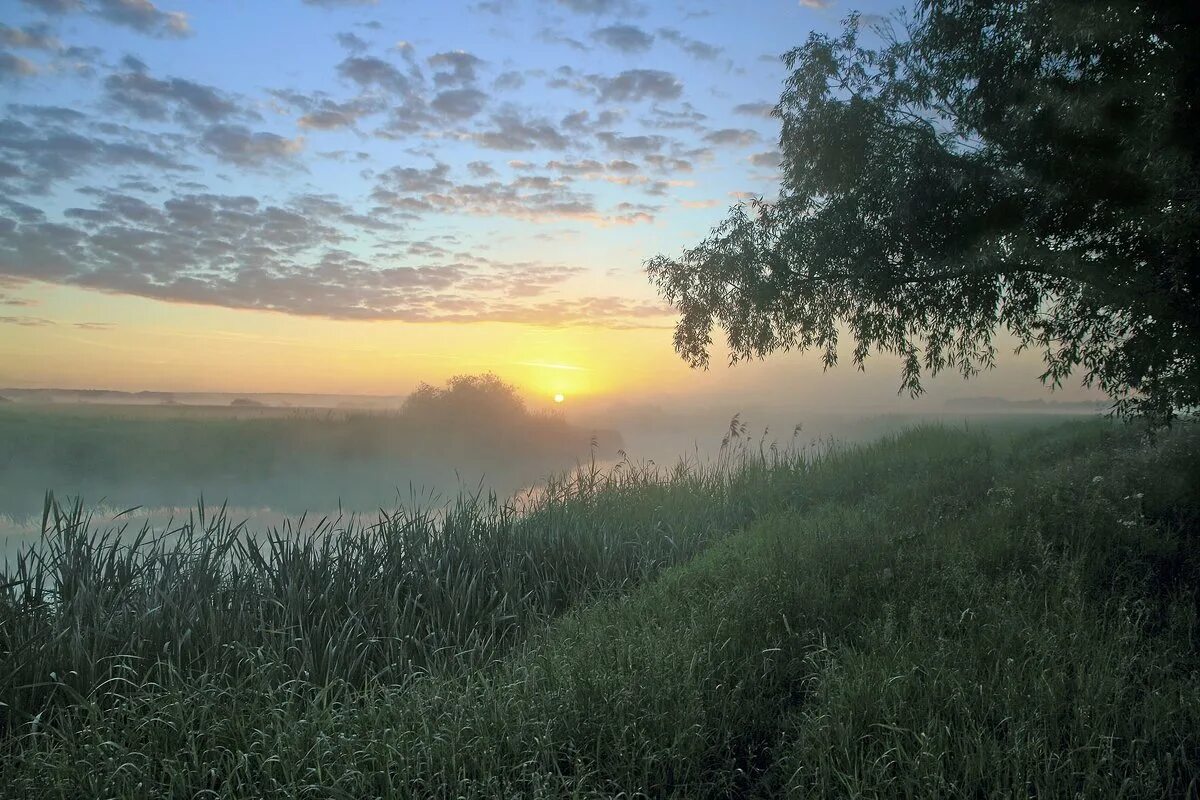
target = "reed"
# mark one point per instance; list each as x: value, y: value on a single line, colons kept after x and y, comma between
x: 940, y: 614
x: 424, y: 588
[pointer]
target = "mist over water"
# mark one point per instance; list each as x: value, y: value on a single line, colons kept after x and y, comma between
x: 153, y: 463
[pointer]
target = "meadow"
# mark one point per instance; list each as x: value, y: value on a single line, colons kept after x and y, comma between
x: 985, y: 612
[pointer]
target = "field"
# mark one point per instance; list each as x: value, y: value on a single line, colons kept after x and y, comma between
x: 940, y: 613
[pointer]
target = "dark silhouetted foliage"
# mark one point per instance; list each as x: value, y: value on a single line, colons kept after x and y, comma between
x: 475, y: 401
x: 1029, y: 166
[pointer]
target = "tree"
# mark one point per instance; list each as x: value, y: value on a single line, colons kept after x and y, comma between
x: 473, y: 402
x: 1029, y: 165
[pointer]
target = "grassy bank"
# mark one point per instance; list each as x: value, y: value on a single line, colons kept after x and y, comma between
x: 942, y: 613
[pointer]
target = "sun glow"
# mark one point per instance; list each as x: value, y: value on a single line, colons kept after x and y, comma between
x: 558, y: 398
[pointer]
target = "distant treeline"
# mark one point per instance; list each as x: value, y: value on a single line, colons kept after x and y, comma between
x: 149, y: 398
x: 1004, y: 404
x: 474, y: 427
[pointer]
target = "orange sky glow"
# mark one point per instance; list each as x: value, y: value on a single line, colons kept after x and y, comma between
x: 393, y: 195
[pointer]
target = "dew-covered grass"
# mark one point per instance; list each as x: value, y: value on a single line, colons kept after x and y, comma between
x: 943, y: 613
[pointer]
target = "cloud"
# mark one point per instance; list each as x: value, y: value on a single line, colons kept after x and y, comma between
x: 686, y: 117
x: 238, y: 145
x: 60, y: 144
x: 26, y: 322
x: 626, y: 38
x: 150, y: 98
x: 336, y: 3
x: 637, y: 212
x: 332, y: 116
x: 342, y: 156
x: 323, y: 113
x: 639, y: 84
x: 459, y: 103
x: 480, y: 169
x: 552, y: 36
x: 626, y: 145
x: 140, y: 15
x: 143, y: 16
x: 413, y: 116
x: 15, y: 302
x: 368, y: 72
x: 567, y: 77
x: 95, y: 326
x: 602, y: 7
x: 121, y: 220
x: 576, y: 120
x: 586, y: 167
x: 414, y: 180
x: 31, y: 37
x: 507, y: 81
x: 15, y: 67
x: 511, y: 130
x: 816, y: 4
x: 621, y: 173
x: 415, y: 192
x: 456, y: 68
x: 739, y: 137
x: 611, y: 312
x: 20, y: 211
x: 351, y: 42
x: 695, y: 48
x: 582, y: 122
x: 875, y: 22
x: 619, y: 313
x: 326, y: 120
x: 763, y: 109
x: 237, y: 252
x: 405, y: 49
x: 527, y: 279
x: 55, y: 6
x: 534, y: 198
x: 769, y: 159
x: 667, y: 164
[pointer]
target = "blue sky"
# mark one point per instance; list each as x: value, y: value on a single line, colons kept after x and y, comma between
x: 494, y: 160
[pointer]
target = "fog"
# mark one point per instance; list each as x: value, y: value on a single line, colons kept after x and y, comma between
x: 266, y: 460
x: 271, y: 458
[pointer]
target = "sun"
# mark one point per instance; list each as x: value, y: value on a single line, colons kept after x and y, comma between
x: 558, y: 398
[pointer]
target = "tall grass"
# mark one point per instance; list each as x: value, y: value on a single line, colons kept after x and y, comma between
x: 89, y: 607
x: 939, y: 614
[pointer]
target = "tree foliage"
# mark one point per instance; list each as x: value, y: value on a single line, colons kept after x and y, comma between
x: 468, y: 401
x: 1029, y: 165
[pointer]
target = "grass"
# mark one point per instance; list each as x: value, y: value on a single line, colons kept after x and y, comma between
x: 419, y: 590
x: 942, y: 613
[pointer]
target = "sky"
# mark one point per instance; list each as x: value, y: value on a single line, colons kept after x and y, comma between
x: 352, y: 197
